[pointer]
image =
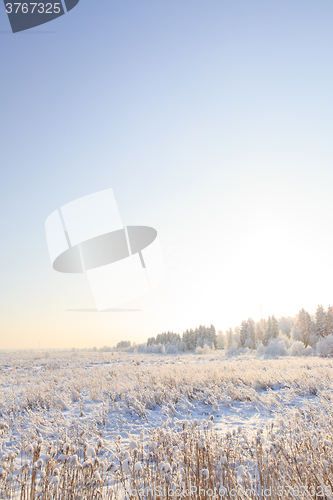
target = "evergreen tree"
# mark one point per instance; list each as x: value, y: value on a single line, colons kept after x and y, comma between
x: 186, y: 340
x: 200, y: 339
x: 285, y: 324
x: 329, y: 321
x: 236, y: 337
x: 320, y: 322
x: 268, y: 333
x: 206, y: 336
x: 221, y: 340
x: 123, y: 344
x: 274, y: 327
x: 303, y: 329
x: 272, y: 330
x: 165, y: 338
x: 193, y: 339
x: 243, y: 334
x: 213, y: 337
x: 260, y: 329
x: 251, y: 334
x: 229, y: 338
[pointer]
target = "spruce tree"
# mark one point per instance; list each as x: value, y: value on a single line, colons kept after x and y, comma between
x: 329, y: 321
x: 260, y: 329
x: 185, y: 340
x: 285, y: 324
x: 213, y: 337
x: 251, y: 334
x: 268, y: 333
x: 243, y: 334
x: 274, y: 327
x: 193, y: 339
x: 229, y: 337
x: 320, y: 322
x: 236, y: 337
x: 303, y: 329
x: 221, y: 340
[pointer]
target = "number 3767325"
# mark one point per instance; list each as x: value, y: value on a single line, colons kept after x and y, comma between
x: 33, y: 8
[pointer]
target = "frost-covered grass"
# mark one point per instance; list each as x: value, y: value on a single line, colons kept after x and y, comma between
x: 93, y: 406
x: 291, y: 457
x: 135, y: 383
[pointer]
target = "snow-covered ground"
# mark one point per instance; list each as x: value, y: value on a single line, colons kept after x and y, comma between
x: 107, y: 401
x: 111, y: 394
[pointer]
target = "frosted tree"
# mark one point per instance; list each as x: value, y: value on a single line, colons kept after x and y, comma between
x: 200, y: 340
x: 229, y: 338
x: 260, y: 330
x: 251, y: 334
x: 319, y: 326
x: 205, y: 334
x: 274, y: 327
x: 243, y: 334
x: 182, y: 346
x: 285, y: 324
x: 267, y: 336
x: 325, y: 347
x: 272, y: 330
x: 192, y: 339
x: 221, y: 340
x: 124, y: 344
x: 329, y: 321
x: 185, y: 340
x: 213, y: 337
x: 165, y: 338
x: 236, y: 337
x: 303, y: 329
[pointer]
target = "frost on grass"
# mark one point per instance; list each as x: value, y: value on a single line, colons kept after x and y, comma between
x: 72, y: 386
x: 290, y: 453
x: 58, y: 417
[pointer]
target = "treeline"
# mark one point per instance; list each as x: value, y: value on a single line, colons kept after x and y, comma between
x: 289, y: 332
x: 250, y: 334
x: 311, y: 330
x: 303, y: 328
x: 124, y: 344
x: 189, y: 341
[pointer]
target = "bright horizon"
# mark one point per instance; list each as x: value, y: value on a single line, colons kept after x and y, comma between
x: 211, y: 122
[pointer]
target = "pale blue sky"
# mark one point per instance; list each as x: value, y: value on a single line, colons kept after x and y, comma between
x: 211, y: 121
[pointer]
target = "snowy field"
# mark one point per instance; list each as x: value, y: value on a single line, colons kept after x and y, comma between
x: 108, y: 394
x: 56, y: 406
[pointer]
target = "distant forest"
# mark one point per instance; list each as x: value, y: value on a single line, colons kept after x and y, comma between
x: 302, y: 329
